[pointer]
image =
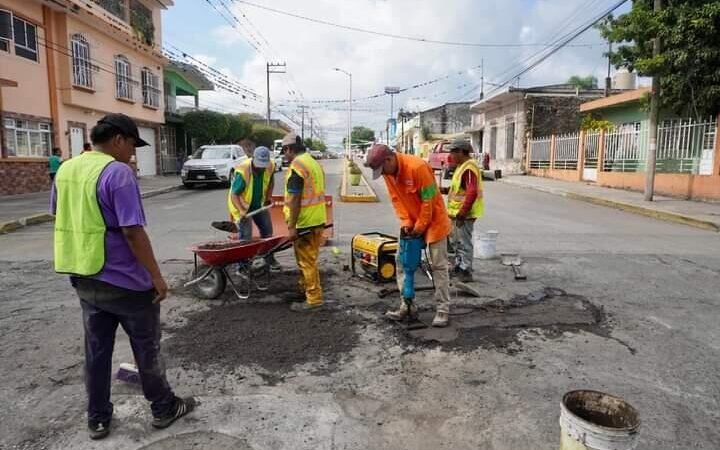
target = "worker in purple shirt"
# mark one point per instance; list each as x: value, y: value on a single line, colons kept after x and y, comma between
x: 100, y: 241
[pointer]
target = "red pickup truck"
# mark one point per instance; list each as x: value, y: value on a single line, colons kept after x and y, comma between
x: 440, y: 159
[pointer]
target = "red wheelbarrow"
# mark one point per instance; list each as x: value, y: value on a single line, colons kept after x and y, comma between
x: 246, y: 255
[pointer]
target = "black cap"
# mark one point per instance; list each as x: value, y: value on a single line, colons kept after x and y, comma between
x: 459, y: 145
x: 126, y: 126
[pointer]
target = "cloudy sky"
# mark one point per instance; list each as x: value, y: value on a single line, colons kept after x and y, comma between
x: 238, y: 37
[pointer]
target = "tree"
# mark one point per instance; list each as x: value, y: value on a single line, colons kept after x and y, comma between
x: 588, y: 82
x: 315, y: 144
x: 688, y: 61
x: 238, y: 128
x: 206, y: 126
x: 361, y: 134
x: 265, y: 135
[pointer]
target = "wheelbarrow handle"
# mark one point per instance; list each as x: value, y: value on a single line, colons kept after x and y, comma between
x: 287, y: 244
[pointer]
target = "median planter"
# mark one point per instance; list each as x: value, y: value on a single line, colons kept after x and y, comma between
x: 355, y: 175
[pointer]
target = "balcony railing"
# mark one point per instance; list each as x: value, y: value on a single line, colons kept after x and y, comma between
x: 118, y: 8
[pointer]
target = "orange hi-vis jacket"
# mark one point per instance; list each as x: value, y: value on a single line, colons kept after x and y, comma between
x: 417, y: 200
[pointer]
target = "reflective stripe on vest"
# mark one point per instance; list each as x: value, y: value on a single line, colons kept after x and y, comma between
x: 456, y: 194
x: 244, y: 169
x: 312, y: 204
x: 79, y: 238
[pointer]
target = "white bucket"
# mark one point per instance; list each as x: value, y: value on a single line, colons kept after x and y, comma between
x: 485, y: 245
x: 591, y: 420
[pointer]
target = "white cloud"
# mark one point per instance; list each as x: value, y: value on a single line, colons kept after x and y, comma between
x: 312, y: 50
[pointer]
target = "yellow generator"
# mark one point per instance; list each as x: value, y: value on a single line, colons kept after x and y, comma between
x: 375, y: 254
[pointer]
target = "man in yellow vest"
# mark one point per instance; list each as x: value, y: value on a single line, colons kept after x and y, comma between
x: 465, y: 205
x: 251, y: 190
x: 305, y: 216
x: 100, y: 241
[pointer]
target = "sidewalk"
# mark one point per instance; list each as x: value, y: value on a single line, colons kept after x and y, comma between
x: 17, y: 211
x: 704, y: 215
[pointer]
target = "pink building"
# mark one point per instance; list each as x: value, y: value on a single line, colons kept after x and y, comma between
x: 63, y: 65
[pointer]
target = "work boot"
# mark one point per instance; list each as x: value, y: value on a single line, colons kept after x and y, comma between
x: 464, y: 276
x: 306, y: 307
x: 98, y: 429
x: 402, y: 313
x: 441, y: 320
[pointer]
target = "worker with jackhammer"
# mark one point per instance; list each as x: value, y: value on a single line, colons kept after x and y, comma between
x: 305, y: 216
x: 420, y: 207
x: 465, y: 205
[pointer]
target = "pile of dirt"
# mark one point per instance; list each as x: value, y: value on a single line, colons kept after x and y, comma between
x: 268, y: 335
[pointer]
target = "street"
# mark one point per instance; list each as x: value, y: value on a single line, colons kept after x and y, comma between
x: 614, y: 302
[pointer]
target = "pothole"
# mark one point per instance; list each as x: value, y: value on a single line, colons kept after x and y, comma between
x: 199, y: 440
x: 498, y: 324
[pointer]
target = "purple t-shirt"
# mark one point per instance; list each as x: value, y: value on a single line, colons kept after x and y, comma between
x: 121, y: 206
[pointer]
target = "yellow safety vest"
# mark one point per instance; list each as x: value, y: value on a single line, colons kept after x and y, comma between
x: 312, y: 210
x: 79, y: 238
x: 244, y: 169
x: 456, y: 194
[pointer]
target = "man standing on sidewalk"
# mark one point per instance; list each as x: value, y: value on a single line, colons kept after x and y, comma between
x: 100, y: 241
x: 305, y: 215
x: 421, y: 210
x: 465, y: 205
x: 251, y: 190
x: 54, y: 162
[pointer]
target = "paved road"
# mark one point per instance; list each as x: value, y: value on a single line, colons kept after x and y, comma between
x: 659, y: 347
x: 532, y: 223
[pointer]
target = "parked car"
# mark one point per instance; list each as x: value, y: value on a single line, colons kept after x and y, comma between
x: 279, y: 160
x: 440, y: 159
x: 317, y: 154
x: 212, y: 164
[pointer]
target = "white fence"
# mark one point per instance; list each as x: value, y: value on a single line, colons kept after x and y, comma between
x: 592, y: 149
x: 540, y: 153
x: 683, y: 143
x: 567, y: 147
x: 625, y: 149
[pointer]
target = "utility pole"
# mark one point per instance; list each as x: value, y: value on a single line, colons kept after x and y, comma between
x: 608, y: 80
x: 654, y: 113
x: 311, y: 127
x: 302, y: 122
x: 392, y: 91
x: 482, y: 78
x: 272, y: 68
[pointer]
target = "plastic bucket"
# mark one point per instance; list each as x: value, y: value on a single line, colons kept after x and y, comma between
x: 485, y: 245
x: 591, y: 420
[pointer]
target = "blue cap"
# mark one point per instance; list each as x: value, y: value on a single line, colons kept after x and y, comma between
x: 261, y: 157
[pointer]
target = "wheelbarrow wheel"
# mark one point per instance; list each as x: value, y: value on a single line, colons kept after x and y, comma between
x: 212, y: 286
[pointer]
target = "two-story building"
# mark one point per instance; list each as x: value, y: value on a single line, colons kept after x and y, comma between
x: 65, y: 64
x: 417, y: 132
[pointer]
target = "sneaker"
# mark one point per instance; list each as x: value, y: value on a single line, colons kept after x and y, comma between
x: 274, y: 265
x: 98, y: 429
x: 441, y: 320
x: 306, y: 307
x: 402, y: 314
x: 464, y: 276
x: 182, y: 407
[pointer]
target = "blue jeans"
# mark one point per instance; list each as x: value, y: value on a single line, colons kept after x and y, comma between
x: 263, y: 222
x: 104, y: 307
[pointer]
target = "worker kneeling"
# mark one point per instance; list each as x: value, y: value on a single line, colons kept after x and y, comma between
x: 250, y: 191
x: 421, y: 210
x: 305, y: 216
x: 465, y: 204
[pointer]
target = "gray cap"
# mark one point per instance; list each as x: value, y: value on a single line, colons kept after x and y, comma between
x: 261, y: 157
x: 291, y: 139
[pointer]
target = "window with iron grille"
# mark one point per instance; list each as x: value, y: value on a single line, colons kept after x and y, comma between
x: 27, y: 138
x: 123, y: 78
x: 82, y: 65
x: 150, y: 88
x: 25, y: 35
x: 6, y: 33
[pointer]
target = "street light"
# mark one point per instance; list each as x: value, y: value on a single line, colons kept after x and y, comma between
x: 349, y: 130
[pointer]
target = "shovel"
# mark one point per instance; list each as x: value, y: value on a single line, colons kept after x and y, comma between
x: 515, y: 261
x: 231, y: 227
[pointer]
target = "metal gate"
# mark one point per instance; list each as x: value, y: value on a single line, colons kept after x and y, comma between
x: 590, y: 162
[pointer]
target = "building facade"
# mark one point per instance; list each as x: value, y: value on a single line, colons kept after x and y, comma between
x: 416, y: 133
x: 68, y: 63
x: 501, y: 124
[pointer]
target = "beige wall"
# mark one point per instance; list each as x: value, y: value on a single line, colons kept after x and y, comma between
x: 499, y: 117
x: 32, y: 96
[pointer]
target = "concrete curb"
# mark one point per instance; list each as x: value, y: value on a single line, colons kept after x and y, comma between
x: 356, y: 198
x: 627, y: 207
x: 36, y: 219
